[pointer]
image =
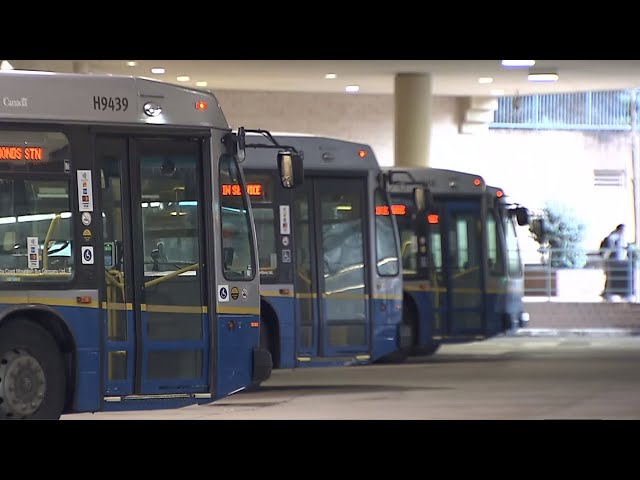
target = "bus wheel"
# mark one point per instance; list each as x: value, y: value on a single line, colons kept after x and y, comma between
x: 265, y: 336
x: 32, y: 376
x: 265, y: 343
x: 427, y: 350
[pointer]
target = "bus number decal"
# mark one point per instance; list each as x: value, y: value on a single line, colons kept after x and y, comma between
x: 115, y: 104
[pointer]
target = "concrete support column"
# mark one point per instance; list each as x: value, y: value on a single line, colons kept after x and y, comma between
x: 80, y: 66
x: 413, y: 100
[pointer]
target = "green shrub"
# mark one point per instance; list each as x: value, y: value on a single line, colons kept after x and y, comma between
x: 560, y: 234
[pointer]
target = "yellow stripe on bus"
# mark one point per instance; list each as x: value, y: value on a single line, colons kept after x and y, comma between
x: 173, y: 308
x: 384, y: 296
x: 53, y: 302
x: 275, y: 293
x: 238, y: 310
x: 306, y: 296
x: 118, y: 306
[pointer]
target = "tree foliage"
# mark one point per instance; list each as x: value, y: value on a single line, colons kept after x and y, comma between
x: 560, y: 234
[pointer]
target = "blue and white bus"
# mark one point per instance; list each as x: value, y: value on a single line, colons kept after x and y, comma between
x: 126, y: 280
x: 331, y: 283
x: 463, y: 274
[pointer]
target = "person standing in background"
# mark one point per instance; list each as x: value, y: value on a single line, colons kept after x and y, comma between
x: 614, y: 252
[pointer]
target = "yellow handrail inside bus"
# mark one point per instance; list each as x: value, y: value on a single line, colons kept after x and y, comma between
x: 171, y: 275
x: 405, y: 245
x: 466, y: 272
x: 47, y: 239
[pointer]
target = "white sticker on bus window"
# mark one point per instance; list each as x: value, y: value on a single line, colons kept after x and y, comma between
x: 285, y: 220
x: 85, y: 195
x: 32, y: 249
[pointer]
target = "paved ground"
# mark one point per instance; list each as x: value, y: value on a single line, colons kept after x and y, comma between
x: 528, y: 376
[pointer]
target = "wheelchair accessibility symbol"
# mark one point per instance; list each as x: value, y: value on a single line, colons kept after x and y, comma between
x: 87, y: 255
x: 223, y: 293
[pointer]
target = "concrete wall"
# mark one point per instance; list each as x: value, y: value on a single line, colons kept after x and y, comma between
x: 533, y: 167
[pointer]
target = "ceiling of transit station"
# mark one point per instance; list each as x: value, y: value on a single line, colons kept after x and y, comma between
x: 450, y: 77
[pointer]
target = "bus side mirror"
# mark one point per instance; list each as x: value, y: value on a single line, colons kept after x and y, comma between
x: 420, y: 199
x: 522, y: 216
x: 290, y: 167
x: 423, y: 199
x: 241, y: 145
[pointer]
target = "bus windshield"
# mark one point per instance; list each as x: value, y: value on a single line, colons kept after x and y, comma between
x: 238, y: 257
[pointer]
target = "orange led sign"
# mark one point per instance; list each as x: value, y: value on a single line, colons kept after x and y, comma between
x: 231, y: 190
x: 399, y: 209
x: 253, y: 189
x: 33, y: 154
x: 382, y: 210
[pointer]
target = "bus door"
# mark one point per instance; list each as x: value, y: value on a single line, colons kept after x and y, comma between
x: 155, y: 310
x: 331, y: 286
x: 460, y: 284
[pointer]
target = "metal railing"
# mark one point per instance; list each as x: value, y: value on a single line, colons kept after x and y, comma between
x: 599, y: 280
x: 609, y: 110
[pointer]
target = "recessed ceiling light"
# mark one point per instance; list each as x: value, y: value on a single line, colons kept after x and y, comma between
x: 485, y: 80
x: 330, y: 76
x: 497, y: 92
x: 352, y: 88
x: 157, y: 71
x: 183, y: 78
x: 132, y: 64
x: 201, y: 84
x: 518, y: 63
x: 543, y: 77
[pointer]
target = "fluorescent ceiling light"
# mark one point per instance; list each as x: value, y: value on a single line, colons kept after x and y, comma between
x: 543, y: 77
x: 352, y: 88
x: 132, y: 64
x: 183, y: 78
x: 157, y: 71
x: 201, y: 84
x: 330, y: 76
x: 518, y: 63
x: 485, y: 80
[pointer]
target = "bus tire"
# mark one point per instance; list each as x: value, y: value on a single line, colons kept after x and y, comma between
x: 265, y: 343
x: 426, y: 351
x: 32, y: 372
x: 398, y: 356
